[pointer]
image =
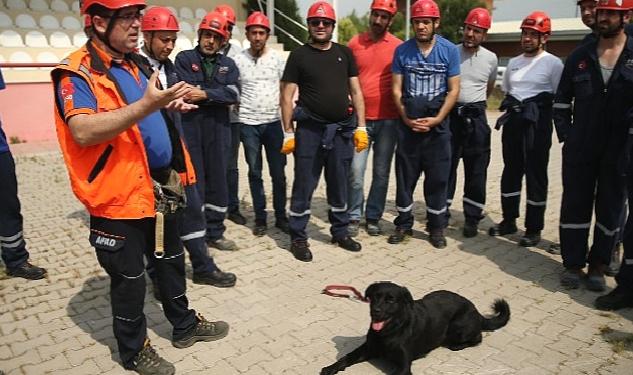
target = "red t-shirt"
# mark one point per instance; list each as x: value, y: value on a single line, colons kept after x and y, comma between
x: 374, y: 65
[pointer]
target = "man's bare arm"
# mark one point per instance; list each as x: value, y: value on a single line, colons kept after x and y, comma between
x: 287, y: 92
x: 357, y: 100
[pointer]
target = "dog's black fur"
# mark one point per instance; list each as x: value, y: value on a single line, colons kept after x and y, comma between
x: 403, y: 329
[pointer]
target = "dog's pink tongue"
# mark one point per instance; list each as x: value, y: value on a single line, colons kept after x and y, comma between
x: 377, y: 326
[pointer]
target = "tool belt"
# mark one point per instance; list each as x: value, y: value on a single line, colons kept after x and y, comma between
x: 169, y: 198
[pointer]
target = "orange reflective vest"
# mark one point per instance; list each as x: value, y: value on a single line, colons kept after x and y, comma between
x: 112, y: 179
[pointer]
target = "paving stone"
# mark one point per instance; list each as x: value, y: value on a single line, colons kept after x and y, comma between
x: 280, y: 323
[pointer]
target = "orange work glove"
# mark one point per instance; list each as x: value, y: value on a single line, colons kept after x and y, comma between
x: 361, y: 140
x: 289, y: 143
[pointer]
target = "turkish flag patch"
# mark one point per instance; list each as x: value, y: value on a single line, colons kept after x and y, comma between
x: 68, y: 90
x: 195, y: 67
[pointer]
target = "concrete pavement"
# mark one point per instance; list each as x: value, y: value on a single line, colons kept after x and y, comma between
x: 280, y: 323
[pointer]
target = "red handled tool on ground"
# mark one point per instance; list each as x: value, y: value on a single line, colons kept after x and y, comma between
x: 330, y: 291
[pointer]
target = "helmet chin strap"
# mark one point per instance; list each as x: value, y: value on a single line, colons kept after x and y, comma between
x: 148, y: 47
x: 105, y: 38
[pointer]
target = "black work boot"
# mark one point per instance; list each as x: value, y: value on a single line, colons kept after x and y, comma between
x: 260, y: 228
x: 437, y: 239
x: 347, y: 243
x: 301, y: 250
x: 399, y: 235
x: 530, y: 238
x: 216, y: 278
x: 503, y: 228
x: 203, y: 331
x: 27, y: 271
x: 148, y: 362
x: 470, y: 229
x: 236, y: 217
x: 617, y: 299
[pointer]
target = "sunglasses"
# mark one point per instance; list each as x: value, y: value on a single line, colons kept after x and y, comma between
x: 318, y: 22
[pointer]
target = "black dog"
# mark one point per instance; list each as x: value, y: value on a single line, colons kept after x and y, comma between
x: 403, y: 330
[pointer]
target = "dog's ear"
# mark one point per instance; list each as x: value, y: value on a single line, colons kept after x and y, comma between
x: 369, y: 292
x: 406, y: 295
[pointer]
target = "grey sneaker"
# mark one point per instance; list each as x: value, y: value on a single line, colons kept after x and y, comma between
x: 148, y: 362
x: 373, y: 227
x: 203, y: 331
x: 570, y: 279
x: 352, y: 228
x: 222, y: 244
x: 614, y: 266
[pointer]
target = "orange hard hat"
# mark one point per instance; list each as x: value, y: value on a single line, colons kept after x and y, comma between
x: 227, y: 12
x: 388, y: 6
x: 111, y: 4
x: 258, y: 19
x: 425, y: 9
x: 215, y: 22
x: 159, y: 19
x: 538, y: 21
x: 321, y: 9
x: 479, y: 17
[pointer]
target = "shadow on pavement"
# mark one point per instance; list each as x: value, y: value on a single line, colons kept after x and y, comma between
x: 345, y: 344
x: 90, y: 310
x: 81, y: 215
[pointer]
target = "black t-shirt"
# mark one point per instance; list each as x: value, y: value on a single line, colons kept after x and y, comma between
x: 323, y: 79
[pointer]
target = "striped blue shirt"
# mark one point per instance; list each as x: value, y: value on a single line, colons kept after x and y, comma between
x: 426, y: 76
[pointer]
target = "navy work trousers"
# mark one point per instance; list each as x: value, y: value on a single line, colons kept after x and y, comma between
x: 417, y: 153
x: 310, y: 159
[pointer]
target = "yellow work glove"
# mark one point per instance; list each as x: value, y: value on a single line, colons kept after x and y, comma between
x: 361, y: 140
x: 289, y: 143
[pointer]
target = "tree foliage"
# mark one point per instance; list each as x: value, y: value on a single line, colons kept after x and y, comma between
x: 290, y: 9
x: 453, y: 14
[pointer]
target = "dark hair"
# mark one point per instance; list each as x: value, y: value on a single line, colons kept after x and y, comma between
x: 99, y: 10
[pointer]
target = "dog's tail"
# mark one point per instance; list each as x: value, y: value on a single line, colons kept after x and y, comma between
x: 501, y: 317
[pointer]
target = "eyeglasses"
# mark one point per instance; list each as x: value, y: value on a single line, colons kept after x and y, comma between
x: 129, y: 18
x: 318, y: 22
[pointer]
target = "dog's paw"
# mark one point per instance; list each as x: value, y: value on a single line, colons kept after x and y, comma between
x: 330, y: 370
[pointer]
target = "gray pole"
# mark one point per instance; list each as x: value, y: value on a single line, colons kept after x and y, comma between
x: 407, y: 25
x: 270, y: 12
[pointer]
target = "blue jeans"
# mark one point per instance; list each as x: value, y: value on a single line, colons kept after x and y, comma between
x: 271, y: 137
x: 383, y: 137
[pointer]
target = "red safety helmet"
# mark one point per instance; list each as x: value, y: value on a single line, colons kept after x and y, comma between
x: 216, y: 22
x: 614, y: 4
x: 321, y: 9
x: 111, y: 4
x: 425, y: 9
x: 479, y: 17
x: 227, y: 12
x: 159, y: 19
x: 388, y: 6
x: 538, y: 21
x: 258, y: 19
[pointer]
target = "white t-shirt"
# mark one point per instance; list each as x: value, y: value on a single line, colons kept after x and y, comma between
x: 156, y: 65
x: 477, y: 69
x: 259, y: 100
x: 526, y: 77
